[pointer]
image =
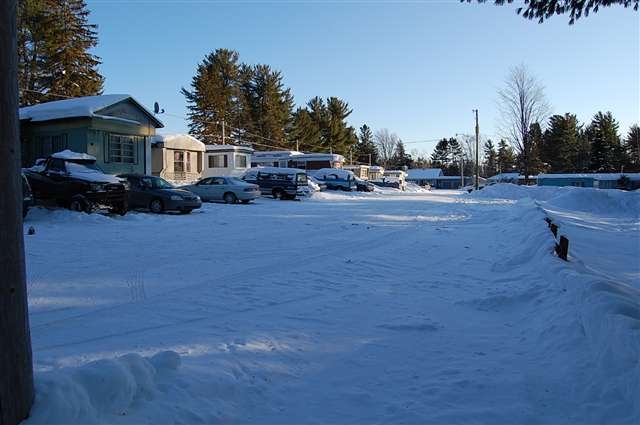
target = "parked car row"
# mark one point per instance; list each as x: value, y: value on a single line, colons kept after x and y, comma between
x: 73, y: 180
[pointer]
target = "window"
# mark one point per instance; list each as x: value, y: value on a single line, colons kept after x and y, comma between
x: 51, y: 144
x: 178, y: 162
x: 218, y: 161
x: 188, y: 162
x: 241, y: 161
x: 56, y: 164
x: 123, y: 148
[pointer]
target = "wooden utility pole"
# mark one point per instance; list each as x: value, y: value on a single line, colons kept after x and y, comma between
x: 16, y: 369
x: 477, y: 151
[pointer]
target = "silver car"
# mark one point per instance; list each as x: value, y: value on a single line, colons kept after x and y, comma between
x: 227, y: 189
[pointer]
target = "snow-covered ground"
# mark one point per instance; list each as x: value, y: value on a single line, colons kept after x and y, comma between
x: 388, y: 307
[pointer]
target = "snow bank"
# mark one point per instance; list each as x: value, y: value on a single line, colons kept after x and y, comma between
x: 611, y: 321
x: 515, y: 192
x: 99, y: 390
x: 603, y: 202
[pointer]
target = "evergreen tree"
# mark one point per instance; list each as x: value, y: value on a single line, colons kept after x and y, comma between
x: 535, y: 137
x: 366, y: 150
x: 632, y: 149
x: 322, y: 127
x: 490, y: 158
x: 401, y: 158
x: 505, y: 157
x: 54, y: 59
x: 215, y: 96
x: 440, y: 154
x: 560, y: 145
x: 266, y: 105
x: 340, y: 138
x: 605, y: 143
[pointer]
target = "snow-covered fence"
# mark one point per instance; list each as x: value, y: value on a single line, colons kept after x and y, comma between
x: 562, y: 247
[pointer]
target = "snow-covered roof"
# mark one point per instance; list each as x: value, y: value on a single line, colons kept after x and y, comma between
x: 595, y: 176
x: 228, y: 148
x: 70, y: 155
x: 79, y: 107
x: 255, y: 170
x: 505, y: 176
x: 423, y: 173
x: 275, y: 154
x: 178, y: 141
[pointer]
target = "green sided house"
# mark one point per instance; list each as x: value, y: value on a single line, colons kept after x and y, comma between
x: 116, y: 129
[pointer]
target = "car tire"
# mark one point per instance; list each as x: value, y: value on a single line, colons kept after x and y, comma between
x: 120, y: 210
x: 277, y: 194
x: 79, y: 204
x: 156, y: 206
x: 230, y: 198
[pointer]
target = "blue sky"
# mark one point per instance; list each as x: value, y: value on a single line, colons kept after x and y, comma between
x: 417, y: 68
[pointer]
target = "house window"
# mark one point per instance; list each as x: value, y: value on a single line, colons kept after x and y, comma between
x: 51, y: 144
x: 188, y: 161
x: 241, y: 161
x: 122, y: 149
x: 178, y: 162
x: 218, y: 161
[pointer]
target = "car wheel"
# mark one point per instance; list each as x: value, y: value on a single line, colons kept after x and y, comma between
x: 156, y: 206
x: 79, y: 205
x: 120, y: 210
x: 277, y: 194
x: 230, y: 198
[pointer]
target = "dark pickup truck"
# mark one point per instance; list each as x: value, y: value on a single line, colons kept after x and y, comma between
x: 74, y: 180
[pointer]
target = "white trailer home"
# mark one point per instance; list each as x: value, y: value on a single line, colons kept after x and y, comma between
x: 226, y: 160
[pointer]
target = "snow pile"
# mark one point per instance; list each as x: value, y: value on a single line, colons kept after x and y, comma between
x: 73, y: 156
x: 611, y: 321
x: 332, y: 173
x: 100, y: 390
x: 514, y: 192
x: 608, y: 202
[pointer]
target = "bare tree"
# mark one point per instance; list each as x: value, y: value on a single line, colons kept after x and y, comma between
x: 386, y: 143
x: 522, y: 102
x: 16, y: 370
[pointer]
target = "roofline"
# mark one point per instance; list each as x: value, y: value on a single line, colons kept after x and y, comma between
x: 144, y: 109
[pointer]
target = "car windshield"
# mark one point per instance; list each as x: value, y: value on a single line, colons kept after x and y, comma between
x: 82, y: 167
x: 156, y: 183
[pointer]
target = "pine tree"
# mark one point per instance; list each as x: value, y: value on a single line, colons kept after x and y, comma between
x: 322, y: 127
x: 401, y: 158
x: 560, y: 145
x: 366, y: 150
x: 266, y: 106
x: 505, y: 157
x: 215, y: 96
x: 490, y: 158
x: 632, y: 149
x: 535, y: 137
x: 440, y: 154
x: 605, y: 143
x: 54, y: 43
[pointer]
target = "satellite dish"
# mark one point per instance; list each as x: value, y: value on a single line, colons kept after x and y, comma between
x: 156, y: 107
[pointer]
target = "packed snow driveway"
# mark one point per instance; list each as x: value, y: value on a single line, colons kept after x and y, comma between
x: 341, y: 309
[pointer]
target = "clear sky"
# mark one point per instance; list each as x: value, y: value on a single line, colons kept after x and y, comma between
x: 417, y: 68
